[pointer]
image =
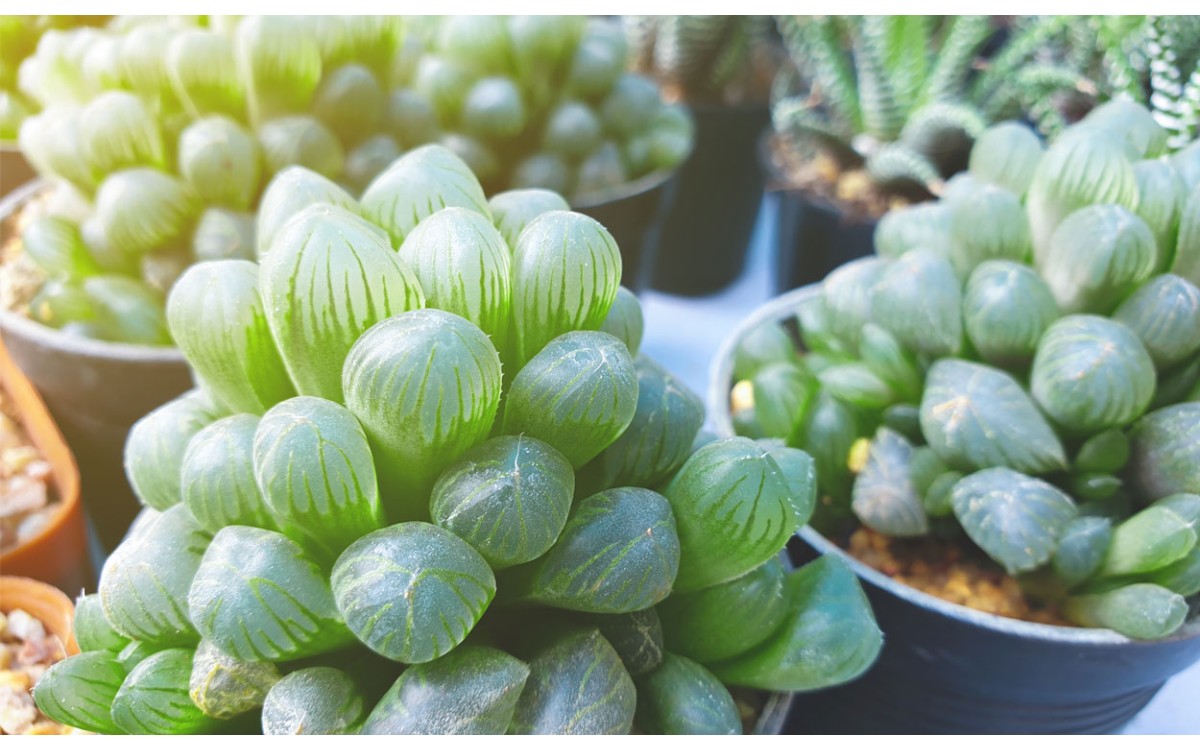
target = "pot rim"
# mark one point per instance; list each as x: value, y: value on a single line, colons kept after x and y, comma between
x: 18, y: 325
x: 26, y: 591
x: 720, y: 380
x: 642, y: 185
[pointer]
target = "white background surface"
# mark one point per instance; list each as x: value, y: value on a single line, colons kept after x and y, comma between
x: 684, y: 333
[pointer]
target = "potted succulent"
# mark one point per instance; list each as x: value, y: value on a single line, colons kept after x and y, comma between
x: 1003, y: 407
x: 158, y: 138
x: 721, y: 68
x: 443, y: 457
x: 879, y: 112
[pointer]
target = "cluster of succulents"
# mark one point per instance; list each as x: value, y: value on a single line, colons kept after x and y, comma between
x: 705, y: 58
x: 163, y: 134
x: 438, y: 490
x: 1018, y: 366
x: 901, y: 95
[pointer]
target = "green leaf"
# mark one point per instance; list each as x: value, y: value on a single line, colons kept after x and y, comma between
x: 368, y: 160
x: 857, y: 385
x: 471, y: 690
x: 200, y: 64
x: 1096, y: 257
x: 135, y: 653
x: 1148, y: 541
x: 258, y: 596
x: 53, y: 143
x: 493, y: 110
x: 508, y: 498
x: 1161, y: 197
x: 372, y: 40
x: 140, y: 57
x: 1081, y: 549
x: 1185, y: 504
x: 144, y: 583
x: 119, y: 132
x: 885, y: 497
x: 625, y: 320
x: 279, y: 60
x: 351, y: 102
x: 598, y: 62
x: 155, y: 448
x: 1007, y: 154
x: 923, y: 225
x: 314, y: 468
x: 412, y: 592
x: 1165, y: 452
x: 154, y: 697
x: 682, y: 697
x: 316, y: 700
x: 890, y: 361
x: 576, y: 685
x: 289, y: 192
x: 329, y: 276
x: 513, y: 210
x: 1142, y: 610
x: 827, y: 435
x: 800, y: 472
x: 1187, y: 246
x: 828, y: 637
x: 1017, y: 520
x: 1133, y: 122
x: 917, y: 298
x: 1106, y: 451
x: 1165, y: 315
x: 565, y: 274
x: 765, y: 345
x: 987, y: 224
x: 79, y: 691
x: 142, y: 209
x: 419, y: 184
x: 222, y: 161
x: 976, y: 417
x: 223, y: 687
x: 1006, y: 309
x: 218, y: 320
x: 92, y: 629
x: 224, y: 235
x: 619, y: 552
x: 734, y: 511
x: 127, y: 310
x: 1091, y: 374
x: 445, y: 83
x: 301, y: 140
x: 938, y: 500
x: 782, y: 394
x: 216, y: 478
x: 637, y: 637
x: 728, y: 619
x: 56, y: 245
x: 426, y: 386
x: 1182, y: 576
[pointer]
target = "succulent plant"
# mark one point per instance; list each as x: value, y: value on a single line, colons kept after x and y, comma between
x: 162, y: 136
x: 493, y: 488
x: 1017, y: 368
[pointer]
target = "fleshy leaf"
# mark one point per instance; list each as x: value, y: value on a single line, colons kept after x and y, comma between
x: 1165, y: 315
x: 280, y: 62
x: 79, y: 690
x: 217, y: 476
x: 1006, y: 309
x: 1141, y: 610
x: 987, y: 224
x: 1147, y: 541
x: 351, y: 102
x: 782, y: 394
x: 155, y: 448
x: 154, y: 697
x: 1165, y: 451
x: 92, y: 629
x: 1081, y: 549
x: 413, y: 591
x: 918, y: 299
x: 1182, y: 577
x: 1017, y: 520
x: 222, y: 161
x: 201, y: 66
x: 885, y: 498
x: 224, y: 235
x: 142, y: 209
x: 1161, y: 196
x: 259, y: 597
x: 513, y: 210
x: 637, y: 637
x: 301, y: 140
x: 765, y: 345
x: 625, y: 320
x: 682, y: 697
x: 289, y: 192
x: 924, y: 225
x: 224, y: 687
x: 127, y: 310
x: 119, y: 132
x: 56, y: 245
x: 1187, y: 246
x: 1006, y: 154
x: 316, y: 700
x: 1096, y: 257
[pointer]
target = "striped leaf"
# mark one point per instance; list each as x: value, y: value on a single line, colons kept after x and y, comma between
x: 637, y: 637
x: 1164, y: 456
x: 52, y: 142
x: 79, y: 690
x: 92, y: 629
x: 1006, y: 309
x: 885, y: 498
x: 576, y: 685
x: 426, y: 386
x: 1081, y: 549
x: 145, y: 581
x: 142, y: 209
x: 224, y: 235
x: 682, y: 697
x: 733, y: 509
x: 566, y: 270
x: 216, y: 479
x: 419, y: 184
x: 1006, y: 154
x: 327, y: 278
x: 303, y: 141
x: 55, y: 244
x: 1187, y: 247
x: 316, y: 700
x: 471, y: 690
x: 291, y: 191
x: 119, y: 132
x: 203, y: 72
x: 279, y: 61
x: 508, y: 498
x: 987, y: 224
x: 1143, y: 611
x: 258, y: 596
x: 513, y: 210
x: 218, y: 320
x: 222, y: 162
x: 619, y: 552
x: 314, y: 468
x: 1096, y: 257
x: 848, y: 298
x: 625, y: 320
x: 1161, y: 196
x: 223, y: 686
x: 413, y: 591
x: 579, y: 393
x: 1165, y: 315
x: 157, y: 444
x: 918, y: 299
x: 154, y: 697
x: 924, y: 225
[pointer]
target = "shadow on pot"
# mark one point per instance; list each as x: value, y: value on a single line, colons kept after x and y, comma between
x: 946, y: 668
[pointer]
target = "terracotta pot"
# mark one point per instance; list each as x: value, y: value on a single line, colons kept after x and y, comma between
x: 15, y: 170
x: 46, y: 603
x: 58, y: 553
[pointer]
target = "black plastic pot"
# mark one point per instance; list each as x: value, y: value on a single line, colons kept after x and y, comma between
x: 706, y: 232
x: 96, y: 390
x: 14, y: 169
x: 946, y: 668
x: 633, y: 214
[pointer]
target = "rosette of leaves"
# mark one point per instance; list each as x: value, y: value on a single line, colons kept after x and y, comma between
x: 474, y: 526
x: 1017, y: 368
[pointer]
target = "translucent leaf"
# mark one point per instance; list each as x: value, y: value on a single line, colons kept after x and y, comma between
x: 1015, y: 519
x: 733, y: 509
x: 637, y: 637
x: 494, y: 110
x: 1006, y: 309
x: 857, y: 385
x: 565, y: 275
x: 410, y: 118
x: 828, y: 637
x: 327, y: 278
x: 300, y: 140
x: 827, y: 435
x: 922, y: 226
x: 1161, y: 196
x: 577, y: 685
x: 513, y: 210
x: 1133, y: 122
x: 1187, y: 247
x: 890, y: 361
x: 1091, y: 373
x: 573, y: 131
x: 481, y: 158
x: 141, y: 56
x: 371, y: 40
x: 722, y: 621
x: 426, y: 386
x: 316, y: 474
x: 508, y: 498
x: 471, y: 690
x: 351, y: 102
x: 918, y: 299
x: 79, y: 690
x: 1142, y: 610
x: 987, y: 224
x: 222, y: 161
x: 598, y: 174
x: 203, y: 72
x: 463, y: 266
x: 1165, y: 315
x: 619, y: 552
x: 800, y: 472
x: 444, y: 83
x: 290, y: 192
x: 848, y: 296
x: 217, y: 319
x: 57, y: 247
x: 599, y: 61
x: 1165, y: 452
x: 217, y: 476
x: 369, y: 160
x: 419, y: 184
x: 1006, y: 154
x: 155, y: 448
x: 142, y: 209
x: 1152, y: 539
x: 977, y: 417
x: 224, y: 235
x: 154, y: 697
x: 316, y: 700
x: 682, y: 697
x: 118, y: 132
x: 92, y: 629
x: 885, y: 498
x: 1105, y: 451
x: 144, y: 583
x: 127, y: 310
x: 412, y: 592
x: 625, y: 320
x: 1182, y: 577
x: 765, y: 345
x: 53, y: 143
x: 223, y: 687
x: 1096, y: 257
x: 579, y: 393
x: 279, y: 60
x: 259, y: 597
x: 1081, y: 549
x: 545, y: 172
x: 630, y: 106
x: 543, y: 44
